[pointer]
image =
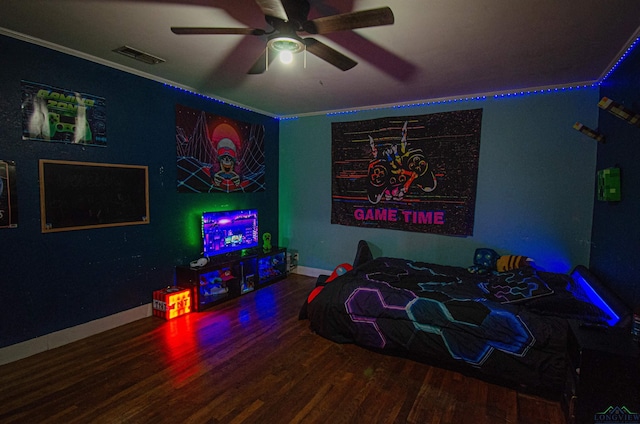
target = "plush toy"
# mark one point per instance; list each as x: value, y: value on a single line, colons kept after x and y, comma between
x: 509, y: 262
x: 488, y: 260
x: 484, y: 261
x: 338, y: 271
x: 266, y: 245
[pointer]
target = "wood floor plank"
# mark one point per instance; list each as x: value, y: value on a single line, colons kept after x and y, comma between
x: 249, y: 360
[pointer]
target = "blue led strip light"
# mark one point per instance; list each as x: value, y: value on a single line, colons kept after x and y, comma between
x: 469, y: 99
x: 545, y: 90
x: 506, y: 94
x: 184, y: 90
x: 595, y: 298
x: 516, y: 93
x: 619, y: 61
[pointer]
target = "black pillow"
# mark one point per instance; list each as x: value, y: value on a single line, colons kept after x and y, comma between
x: 564, y: 305
x: 363, y: 254
x: 514, y: 286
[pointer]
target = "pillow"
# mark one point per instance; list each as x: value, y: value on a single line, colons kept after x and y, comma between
x: 514, y: 286
x: 564, y: 305
x: 509, y: 262
x: 363, y: 254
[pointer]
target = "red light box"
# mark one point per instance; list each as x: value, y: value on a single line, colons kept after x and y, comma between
x: 171, y: 302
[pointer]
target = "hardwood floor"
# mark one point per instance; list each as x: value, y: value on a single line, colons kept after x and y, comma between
x: 246, y: 361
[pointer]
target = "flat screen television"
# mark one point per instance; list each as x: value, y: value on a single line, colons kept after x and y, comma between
x: 229, y: 231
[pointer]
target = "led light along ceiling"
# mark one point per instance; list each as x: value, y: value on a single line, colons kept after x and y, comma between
x: 515, y: 93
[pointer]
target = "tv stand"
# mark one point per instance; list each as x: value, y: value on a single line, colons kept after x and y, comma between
x: 228, y: 276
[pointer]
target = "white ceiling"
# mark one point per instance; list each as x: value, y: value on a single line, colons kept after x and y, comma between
x: 435, y: 49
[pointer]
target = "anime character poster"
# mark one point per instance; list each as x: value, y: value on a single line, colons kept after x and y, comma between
x: 218, y: 154
x: 8, y: 195
x: 414, y: 173
x: 58, y: 115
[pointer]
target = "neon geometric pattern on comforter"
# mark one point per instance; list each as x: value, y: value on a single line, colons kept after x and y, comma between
x: 499, y: 329
x: 443, y: 315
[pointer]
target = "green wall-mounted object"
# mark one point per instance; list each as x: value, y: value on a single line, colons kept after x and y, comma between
x: 609, y: 184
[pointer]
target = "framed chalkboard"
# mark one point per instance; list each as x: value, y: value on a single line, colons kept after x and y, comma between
x: 83, y: 195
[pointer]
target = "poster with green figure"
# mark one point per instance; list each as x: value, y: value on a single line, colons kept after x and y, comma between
x: 57, y: 115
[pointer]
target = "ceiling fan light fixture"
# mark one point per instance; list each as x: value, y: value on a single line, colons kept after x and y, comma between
x: 285, y: 48
x: 287, y: 18
x: 288, y: 44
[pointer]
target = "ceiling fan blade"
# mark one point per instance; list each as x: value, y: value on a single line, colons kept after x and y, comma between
x: 203, y: 31
x: 352, y: 20
x: 260, y: 64
x: 273, y: 8
x: 329, y: 54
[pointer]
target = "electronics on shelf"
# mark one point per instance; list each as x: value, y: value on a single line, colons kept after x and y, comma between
x: 229, y: 231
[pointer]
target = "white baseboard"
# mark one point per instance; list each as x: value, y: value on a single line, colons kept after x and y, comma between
x: 310, y: 272
x: 72, y: 334
x: 59, y: 338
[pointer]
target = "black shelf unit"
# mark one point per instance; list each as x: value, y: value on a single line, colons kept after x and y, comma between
x: 272, y: 266
x: 229, y: 276
x: 603, y: 374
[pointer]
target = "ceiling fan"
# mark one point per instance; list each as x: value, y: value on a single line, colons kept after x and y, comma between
x: 287, y: 18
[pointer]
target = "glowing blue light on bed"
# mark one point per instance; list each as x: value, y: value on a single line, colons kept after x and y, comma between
x: 595, y: 298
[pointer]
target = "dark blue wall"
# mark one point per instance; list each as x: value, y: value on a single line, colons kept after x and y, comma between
x: 616, y: 225
x: 52, y: 281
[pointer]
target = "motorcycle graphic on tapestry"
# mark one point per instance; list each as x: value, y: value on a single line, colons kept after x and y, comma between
x: 393, y: 171
x: 218, y: 154
x: 414, y: 173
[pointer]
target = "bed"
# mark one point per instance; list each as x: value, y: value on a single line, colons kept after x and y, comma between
x: 508, y: 327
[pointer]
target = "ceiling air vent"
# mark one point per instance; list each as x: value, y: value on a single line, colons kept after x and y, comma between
x: 139, y: 55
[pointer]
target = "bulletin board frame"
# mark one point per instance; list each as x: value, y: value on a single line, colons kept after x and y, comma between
x: 87, y: 195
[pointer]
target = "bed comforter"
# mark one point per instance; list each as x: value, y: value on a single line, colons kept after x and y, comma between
x: 508, y: 328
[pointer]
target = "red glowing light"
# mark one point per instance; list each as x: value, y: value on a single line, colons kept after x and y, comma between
x: 171, y: 302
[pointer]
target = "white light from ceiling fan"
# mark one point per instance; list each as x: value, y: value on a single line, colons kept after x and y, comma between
x: 285, y: 47
x: 286, y: 57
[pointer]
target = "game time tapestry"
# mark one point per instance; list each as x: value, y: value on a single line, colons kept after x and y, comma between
x: 413, y: 173
x: 218, y: 154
